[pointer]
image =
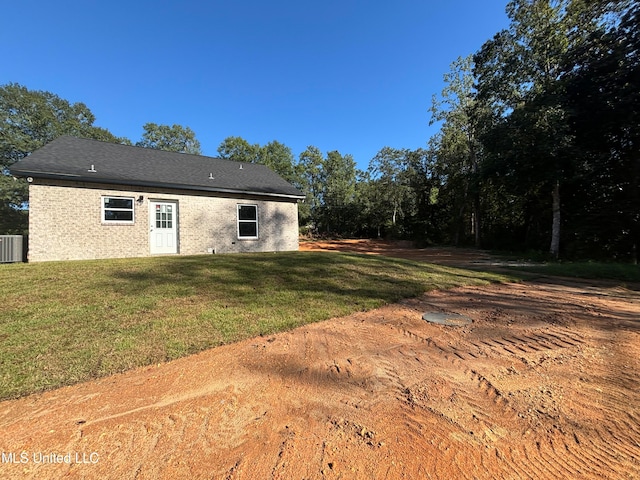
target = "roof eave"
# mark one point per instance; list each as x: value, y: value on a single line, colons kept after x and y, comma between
x: 139, y: 183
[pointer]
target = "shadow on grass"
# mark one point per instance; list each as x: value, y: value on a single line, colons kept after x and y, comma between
x: 625, y: 275
x: 347, y: 275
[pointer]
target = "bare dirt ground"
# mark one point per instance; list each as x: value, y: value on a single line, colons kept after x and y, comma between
x: 403, y: 249
x: 544, y: 384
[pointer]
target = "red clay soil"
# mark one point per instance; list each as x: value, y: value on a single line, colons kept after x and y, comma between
x: 401, y: 249
x: 544, y: 384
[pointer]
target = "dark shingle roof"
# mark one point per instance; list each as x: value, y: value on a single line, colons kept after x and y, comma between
x: 73, y: 158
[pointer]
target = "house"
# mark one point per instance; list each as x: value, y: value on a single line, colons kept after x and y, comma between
x: 90, y: 199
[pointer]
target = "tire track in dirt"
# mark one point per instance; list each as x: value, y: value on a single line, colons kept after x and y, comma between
x: 522, y: 392
x: 540, y: 455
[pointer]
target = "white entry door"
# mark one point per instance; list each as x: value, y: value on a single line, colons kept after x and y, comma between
x: 163, y: 217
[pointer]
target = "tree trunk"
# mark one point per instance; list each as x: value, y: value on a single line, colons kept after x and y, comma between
x: 460, y: 226
x: 476, y: 222
x: 476, y: 194
x: 555, y: 231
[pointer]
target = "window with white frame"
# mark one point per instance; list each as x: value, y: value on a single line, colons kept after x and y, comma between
x: 117, y: 209
x: 247, y: 221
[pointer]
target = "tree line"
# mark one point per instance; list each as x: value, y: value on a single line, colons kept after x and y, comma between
x: 553, y: 131
x: 538, y: 146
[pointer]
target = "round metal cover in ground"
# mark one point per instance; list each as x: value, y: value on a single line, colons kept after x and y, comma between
x: 451, y: 319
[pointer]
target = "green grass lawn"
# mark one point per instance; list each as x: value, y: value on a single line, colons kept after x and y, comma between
x: 66, y: 322
x: 622, y: 272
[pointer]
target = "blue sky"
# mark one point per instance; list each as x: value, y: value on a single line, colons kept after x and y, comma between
x: 346, y: 75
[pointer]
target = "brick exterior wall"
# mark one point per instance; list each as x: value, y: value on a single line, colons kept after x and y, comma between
x: 65, y: 223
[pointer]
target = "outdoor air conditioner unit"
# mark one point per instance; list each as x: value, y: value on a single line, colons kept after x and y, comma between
x: 10, y: 248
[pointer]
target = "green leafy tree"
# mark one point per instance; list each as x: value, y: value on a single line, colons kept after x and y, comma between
x: 239, y: 150
x: 275, y: 155
x: 561, y: 84
x: 29, y: 119
x: 388, y: 172
x: 175, y: 138
x: 428, y: 212
x: 459, y: 149
x: 279, y: 158
x: 338, y: 179
x: 310, y: 164
x: 518, y: 75
x: 13, y: 197
x: 367, y: 199
x: 604, y: 99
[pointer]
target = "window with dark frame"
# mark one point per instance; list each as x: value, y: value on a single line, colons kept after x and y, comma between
x: 247, y: 221
x: 117, y: 209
